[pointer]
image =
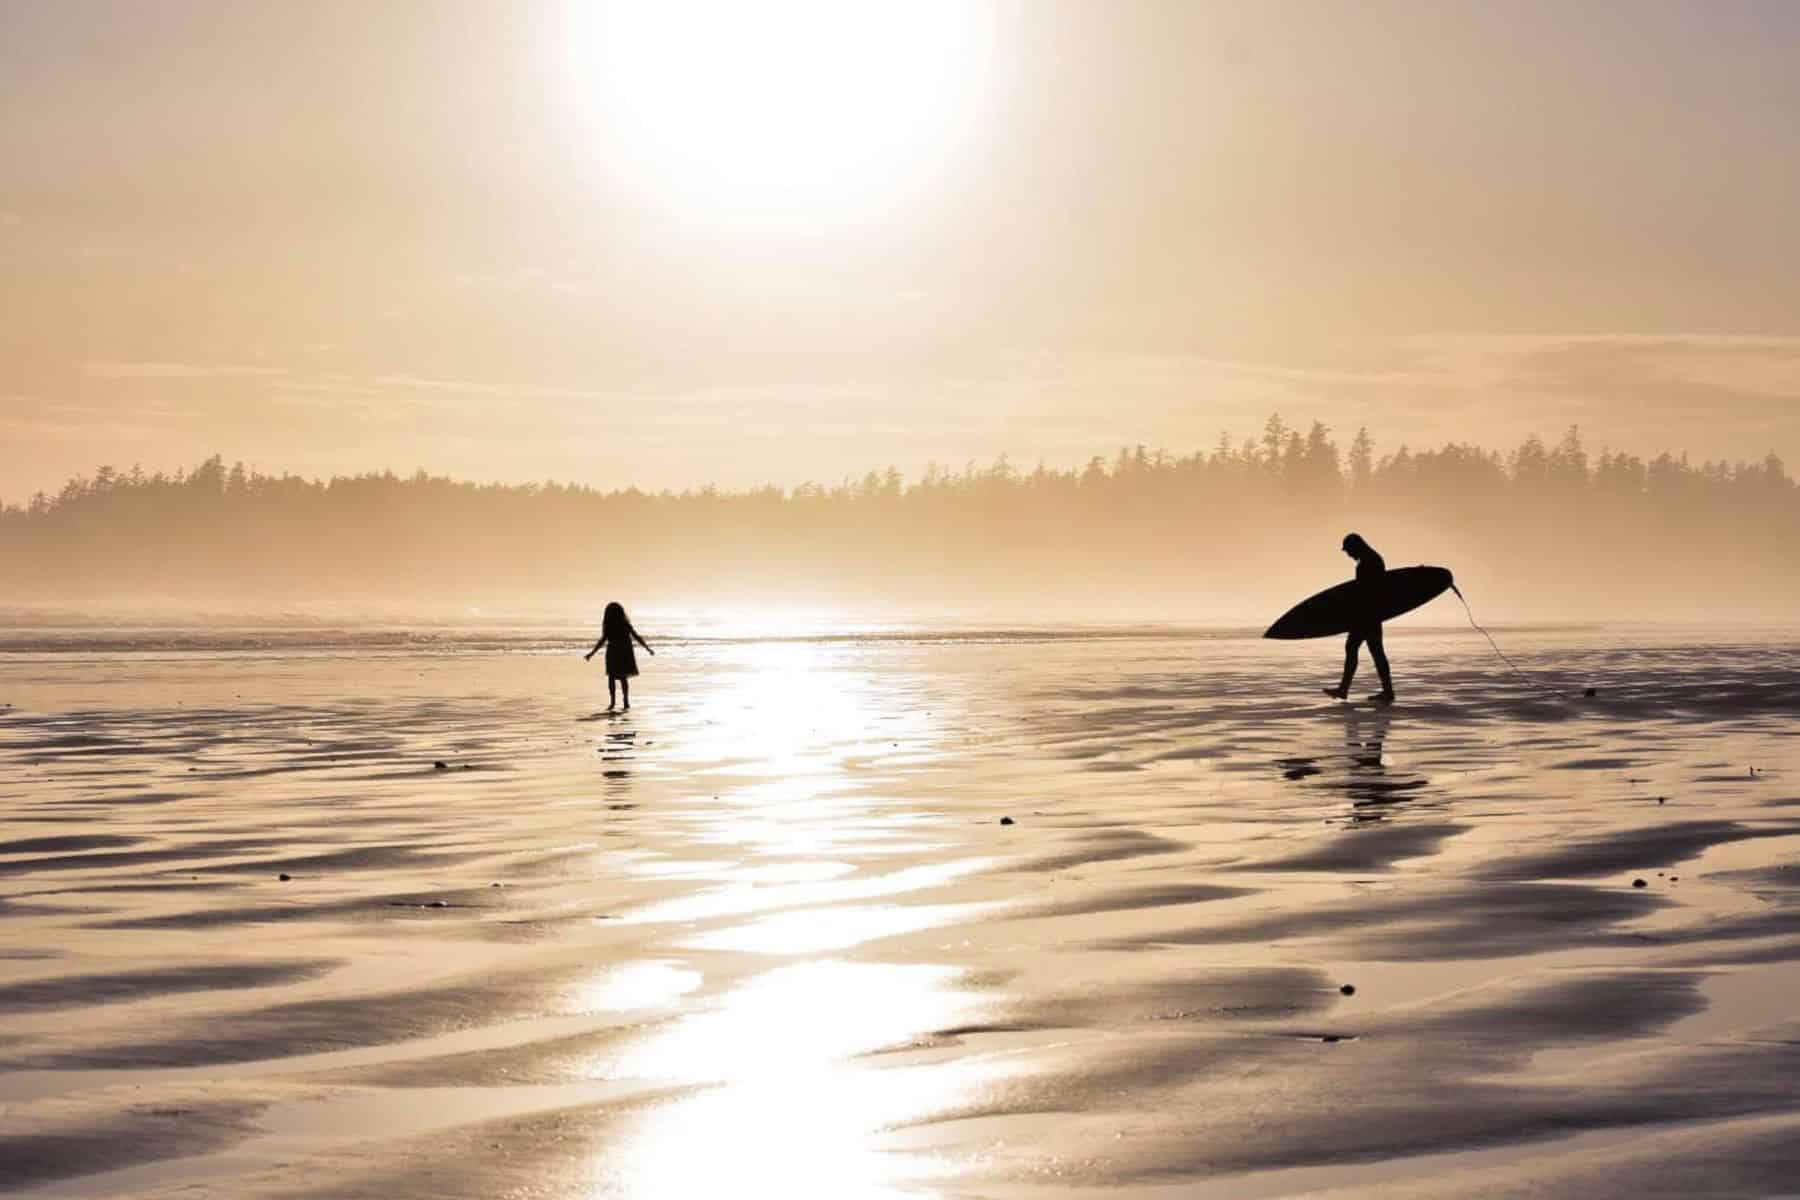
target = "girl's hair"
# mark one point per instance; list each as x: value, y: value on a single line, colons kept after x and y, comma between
x: 614, y: 622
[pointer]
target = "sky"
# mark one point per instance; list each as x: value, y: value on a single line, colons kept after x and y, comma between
x: 666, y: 246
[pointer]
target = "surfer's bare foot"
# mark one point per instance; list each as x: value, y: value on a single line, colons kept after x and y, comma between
x: 1381, y: 697
x: 1336, y: 693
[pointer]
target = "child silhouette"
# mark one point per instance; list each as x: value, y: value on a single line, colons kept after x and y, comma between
x: 616, y: 634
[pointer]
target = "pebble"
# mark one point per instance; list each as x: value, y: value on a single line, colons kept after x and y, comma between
x: 1006, y: 820
x: 440, y: 765
x: 285, y: 877
x: 1349, y: 989
x: 440, y: 904
x: 1591, y: 693
x: 1639, y: 883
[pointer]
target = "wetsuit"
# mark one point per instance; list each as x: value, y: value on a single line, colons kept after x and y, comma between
x: 1369, y: 570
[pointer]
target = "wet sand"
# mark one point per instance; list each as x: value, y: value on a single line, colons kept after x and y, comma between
x: 768, y: 935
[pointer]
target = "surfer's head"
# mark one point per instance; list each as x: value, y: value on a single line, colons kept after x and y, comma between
x: 1354, y: 546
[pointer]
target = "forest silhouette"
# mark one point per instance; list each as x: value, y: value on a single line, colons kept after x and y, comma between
x: 1546, y: 531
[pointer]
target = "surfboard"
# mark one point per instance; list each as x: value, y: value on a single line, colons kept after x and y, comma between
x: 1332, y: 611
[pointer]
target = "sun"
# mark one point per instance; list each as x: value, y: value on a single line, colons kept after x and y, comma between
x: 781, y: 114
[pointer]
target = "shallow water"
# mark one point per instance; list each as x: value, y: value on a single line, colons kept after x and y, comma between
x: 768, y: 933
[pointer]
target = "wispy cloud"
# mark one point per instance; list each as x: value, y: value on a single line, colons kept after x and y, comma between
x: 469, y: 387
x: 174, y: 370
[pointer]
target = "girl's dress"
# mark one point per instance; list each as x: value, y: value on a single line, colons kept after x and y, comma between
x: 621, y: 660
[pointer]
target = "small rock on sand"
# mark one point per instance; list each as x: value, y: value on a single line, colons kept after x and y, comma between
x: 1591, y: 693
x: 285, y: 877
x: 440, y: 765
x: 440, y: 904
x: 1006, y: 820
x: 1349, y: 989
x: 1640, y: 883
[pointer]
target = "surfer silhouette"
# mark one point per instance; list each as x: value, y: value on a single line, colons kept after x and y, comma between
x: 1366, y: 627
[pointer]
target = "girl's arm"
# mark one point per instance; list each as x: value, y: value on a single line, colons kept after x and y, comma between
x: 642, y: 642
x: 595, y: 650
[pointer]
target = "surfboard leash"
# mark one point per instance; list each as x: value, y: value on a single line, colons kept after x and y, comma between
x: 1514, y: 667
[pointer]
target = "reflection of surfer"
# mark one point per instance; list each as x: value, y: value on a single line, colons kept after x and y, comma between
x: 1366, y: 626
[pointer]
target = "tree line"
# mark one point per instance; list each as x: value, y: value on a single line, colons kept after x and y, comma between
x: 1216, y: 533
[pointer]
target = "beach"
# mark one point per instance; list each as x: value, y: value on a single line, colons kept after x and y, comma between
x: 959, y: 913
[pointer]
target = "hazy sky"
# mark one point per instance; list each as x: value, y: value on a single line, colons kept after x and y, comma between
x: 678, y: 244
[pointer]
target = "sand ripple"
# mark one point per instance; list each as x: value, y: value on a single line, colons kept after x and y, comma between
x: 419, y: 923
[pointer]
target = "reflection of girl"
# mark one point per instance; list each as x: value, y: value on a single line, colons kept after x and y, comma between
x: 616, y: 634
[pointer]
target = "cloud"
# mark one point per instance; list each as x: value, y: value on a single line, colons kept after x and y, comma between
x: 174, y: 370
x: 470, y: 387
x: 1719, y: 395
x: 1683, y: 373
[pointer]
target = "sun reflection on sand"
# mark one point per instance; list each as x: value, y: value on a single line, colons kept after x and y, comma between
x: 818, y: 931
x: 796, y: 1113
x: 788, y: 1104
x: 787, y: 709
x: 796, y: 1017
x: 791, y: 1100
x: 638, y: 985
x: 744, y: 899
x: 812, y: 1132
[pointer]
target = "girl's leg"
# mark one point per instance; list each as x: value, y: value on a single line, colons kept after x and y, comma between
x: 611, y: 698
x: 626, y: 685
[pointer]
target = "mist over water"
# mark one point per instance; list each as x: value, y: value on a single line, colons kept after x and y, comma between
x: 1227, y: 537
